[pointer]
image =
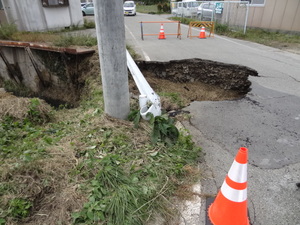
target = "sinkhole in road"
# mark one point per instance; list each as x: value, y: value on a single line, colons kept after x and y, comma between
x: 179, y: 82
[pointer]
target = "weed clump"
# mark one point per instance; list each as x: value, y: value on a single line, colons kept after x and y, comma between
x: 89, y: 24
x: 33, y: 110
x: 79, y: 40
x: 7, y: 31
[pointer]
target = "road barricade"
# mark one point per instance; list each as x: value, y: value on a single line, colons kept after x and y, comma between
x: 207, y: 24
x: 178, y: 34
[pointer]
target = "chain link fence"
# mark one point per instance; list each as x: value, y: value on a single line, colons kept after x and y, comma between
x: 231, y: 13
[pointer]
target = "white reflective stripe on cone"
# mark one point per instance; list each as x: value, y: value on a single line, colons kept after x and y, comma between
x: 233, y: 194
x: 238, y: 172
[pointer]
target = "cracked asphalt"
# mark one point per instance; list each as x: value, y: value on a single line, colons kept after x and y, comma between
x: 266, y: 121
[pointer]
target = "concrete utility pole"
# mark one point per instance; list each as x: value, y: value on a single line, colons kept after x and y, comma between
x: 110, y: 31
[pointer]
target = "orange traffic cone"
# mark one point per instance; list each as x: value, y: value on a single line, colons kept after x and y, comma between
x: 230, y: 205
x: 161, y: 32
x: 202, y: 33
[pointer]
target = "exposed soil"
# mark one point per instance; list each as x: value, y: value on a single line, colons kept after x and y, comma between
x: 191, y: 80
x: 185, y: 79
x: 195, y: 80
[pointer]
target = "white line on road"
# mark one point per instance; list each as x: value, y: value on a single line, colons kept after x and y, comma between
x: 147, y: 58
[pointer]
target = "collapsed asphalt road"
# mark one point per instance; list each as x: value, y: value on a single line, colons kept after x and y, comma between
x: 267, y: 120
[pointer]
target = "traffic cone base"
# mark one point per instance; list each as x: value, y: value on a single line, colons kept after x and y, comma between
x: 217, y: 212
x: 162, y: 32
x: 230, y: 205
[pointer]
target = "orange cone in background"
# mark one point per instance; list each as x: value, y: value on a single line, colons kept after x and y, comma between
x: 230, y: 205
x: 202, y: 34
x: 161, y: 32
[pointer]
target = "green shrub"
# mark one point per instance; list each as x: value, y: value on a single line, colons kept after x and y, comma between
x: 221, y: 28
x: 166, y: 8
x: 159, y: 8
x: 19, y: 208
x: 89, y: 24
x: 7, y: 31
x: 163, y: 130
x: 183, y: 19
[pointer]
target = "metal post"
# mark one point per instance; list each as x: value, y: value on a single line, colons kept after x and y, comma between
x: 142, y: 32
x: 246, y: 19
x: 110, y: 30
x: 227, y: 13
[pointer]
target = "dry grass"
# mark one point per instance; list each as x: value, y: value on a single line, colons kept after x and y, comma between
x: 46, y: 182
x: 18, y: 108
x: 35, y: 37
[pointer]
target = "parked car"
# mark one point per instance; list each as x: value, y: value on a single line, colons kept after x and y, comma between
x: 206, y: 11
x: 83, y: 4
x: 88, y: 9
x: 186, y: 8
x: 129, y: 8
x: 209, y: 9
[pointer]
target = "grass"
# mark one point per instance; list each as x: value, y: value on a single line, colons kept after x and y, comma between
x: 265, y: 37
x: 57, y: 38
x: 7, y: 31
x: 83, y: 167
x: 146, y: 8
x: 153, y: 9
x: 75, y: 40
x: 183, y: 20
x: 174, y: 98
x: 132, y: 52
x: 270, y: 38
x: 89, y: 24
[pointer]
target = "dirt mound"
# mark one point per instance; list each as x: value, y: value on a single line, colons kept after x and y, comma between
x: 21, y: 108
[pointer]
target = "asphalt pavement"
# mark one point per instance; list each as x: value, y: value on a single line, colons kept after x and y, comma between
x: 266, y: 121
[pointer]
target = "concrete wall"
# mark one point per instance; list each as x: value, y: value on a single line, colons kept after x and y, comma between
x: 276, y: 15
x: 55, y: 74
x: 17, y: 57
x: 30, y: 15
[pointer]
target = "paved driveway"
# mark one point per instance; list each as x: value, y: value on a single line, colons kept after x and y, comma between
x: 267, y: 120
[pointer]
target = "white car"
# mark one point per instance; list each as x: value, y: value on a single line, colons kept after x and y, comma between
x: 129, y: 8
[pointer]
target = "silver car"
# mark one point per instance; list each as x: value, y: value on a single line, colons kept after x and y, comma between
x: 206, y: 11
x: 210, y: 10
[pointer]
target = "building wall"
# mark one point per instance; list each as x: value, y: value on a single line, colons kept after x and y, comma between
x: 30, y: 15
x: 2, y: 14
x: 276, y: 15
x: 2, y: 17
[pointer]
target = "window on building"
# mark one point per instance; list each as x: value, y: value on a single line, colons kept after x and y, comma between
x: 1, y: 6
x: 55, y: 3
x: 255, y: 2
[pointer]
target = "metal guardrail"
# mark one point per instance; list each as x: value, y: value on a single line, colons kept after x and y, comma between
x: 149, y: 101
